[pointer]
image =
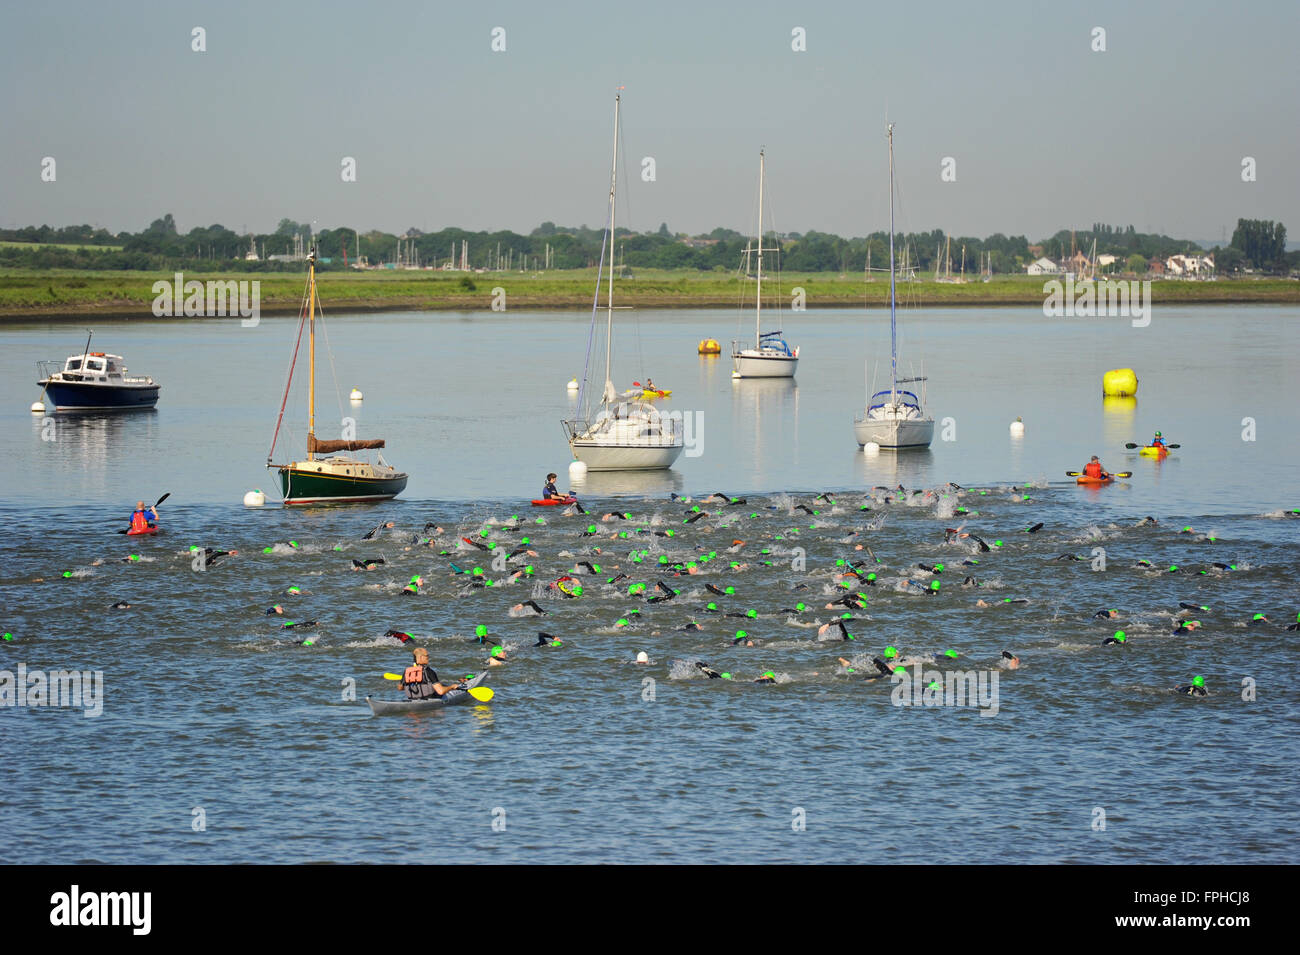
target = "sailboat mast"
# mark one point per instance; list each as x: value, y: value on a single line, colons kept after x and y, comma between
x: 609, y: 309
x: 893, y: 324
x: 758, y: 298
x: 311, y: 351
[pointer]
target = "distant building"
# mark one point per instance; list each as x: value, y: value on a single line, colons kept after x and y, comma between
x: 699, y: 243
x: 1104, y: 261
x: 1043, y: 266
x: 1156, y: 267
x: 1189, y: 266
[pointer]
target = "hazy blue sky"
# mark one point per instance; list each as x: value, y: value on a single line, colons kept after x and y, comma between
x: 1045, y: 132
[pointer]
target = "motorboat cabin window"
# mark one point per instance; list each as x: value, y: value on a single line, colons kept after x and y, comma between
x: 74, y: 364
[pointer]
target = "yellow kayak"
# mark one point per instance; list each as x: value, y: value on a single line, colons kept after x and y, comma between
x: 1154, y: 451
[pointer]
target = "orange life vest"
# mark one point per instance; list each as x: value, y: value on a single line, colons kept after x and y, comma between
x: 1093, y: 469
x: 139, y: 522
x: 413, y: 674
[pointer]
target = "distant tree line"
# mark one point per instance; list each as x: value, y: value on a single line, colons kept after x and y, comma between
x: 1257, y: 245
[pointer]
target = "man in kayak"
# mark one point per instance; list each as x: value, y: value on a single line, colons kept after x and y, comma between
x: 1158, y: 441
x: 420, y: 681
x: 550, y: 493
x: 143, y: 518
x: 1093, y: 469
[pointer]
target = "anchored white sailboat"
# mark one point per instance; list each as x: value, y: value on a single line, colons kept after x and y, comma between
x: 895, y: 419
x: 627, y: 433
x: 770, y: 357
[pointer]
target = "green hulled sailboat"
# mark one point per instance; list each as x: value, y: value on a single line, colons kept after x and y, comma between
x: 335, y: 477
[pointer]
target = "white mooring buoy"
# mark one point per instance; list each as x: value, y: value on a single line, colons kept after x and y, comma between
x: 38, y: 407
x: 573, y: 385
x: 577, y: 469
x: 356, y: 395
x: 1017, y: 427
x: 871, y: 447
x: 254, y: 498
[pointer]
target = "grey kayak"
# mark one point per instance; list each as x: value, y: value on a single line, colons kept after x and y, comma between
x: 452, y: 698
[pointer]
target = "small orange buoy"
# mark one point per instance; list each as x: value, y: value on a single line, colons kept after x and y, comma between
x: 710, y: 346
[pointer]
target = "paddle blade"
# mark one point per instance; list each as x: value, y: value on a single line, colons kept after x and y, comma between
x: 481, y: 693
x: 1172, y: 446
x: 392, y: 676
x: 1073, y: 473
x: 1124, y: 474
x: 163, y: 498
x: 1130, y: 445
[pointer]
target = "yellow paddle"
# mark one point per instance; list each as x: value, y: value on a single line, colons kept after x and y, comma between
x: 480, y: 693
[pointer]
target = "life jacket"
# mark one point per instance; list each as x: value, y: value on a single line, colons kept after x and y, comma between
x: 139, y: 522
x: 413, y: 678
x: 1157, y: 442
x: 1093, y: 469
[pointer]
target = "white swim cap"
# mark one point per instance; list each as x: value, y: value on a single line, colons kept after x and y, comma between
x: 642, y: 657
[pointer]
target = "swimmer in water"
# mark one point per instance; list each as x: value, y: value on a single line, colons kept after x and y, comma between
x: 1195, y: 688
x: 1010, y: 660
x: 1105, y: 615
x: 547, y: 640
x: 498, y: 656
x: 689, y: 626
x: 768, y: 677
x: 1147, y: 522
x: 121, y: 605
x: 1186, y: 626
x: 369, y: 564
x: 1120, y: 638
x: 398, y: 634
x: 882, y: 668
x: 277, y: 611
x: 291, y: 624
x: 642, y: 657
x: 711, y: 673
x: 528, y: 605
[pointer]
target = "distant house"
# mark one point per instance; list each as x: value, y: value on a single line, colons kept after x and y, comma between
x: 1036, y: 251
x: 1189, y: 266
x: 1043, y: 266
x: 1105, y: 261
x: 1077, y: 263
x: 1156, y: 267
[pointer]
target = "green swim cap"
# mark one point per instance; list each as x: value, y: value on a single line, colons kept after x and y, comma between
x: 934, y: 685
x: 1258, y: 616
x: 934, y: 585
x: 871, y: 575
x: 800, y: 607
x: 726, y: 676
x: 298, y: 590
x: 1198, y: 681
x: 577, y: 590
x: 480, y: 630
x: 951, y: 653
x: 769, y: 675
x: 1121, y: 636
x: 751, y: 613
x: 621, y: 622
x: 528, y: 568
x: 741, y: 634
x: 308, y: 642
x: 497, y: 651
x: 890, y: 652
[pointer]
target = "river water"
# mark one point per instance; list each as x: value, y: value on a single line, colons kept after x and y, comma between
x: 223, y: 739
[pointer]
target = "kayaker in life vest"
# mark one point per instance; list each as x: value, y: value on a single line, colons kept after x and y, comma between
x: 143, y: 518
x: 420, y: 681
x: 1093, y: 469
x: 1158, y: 441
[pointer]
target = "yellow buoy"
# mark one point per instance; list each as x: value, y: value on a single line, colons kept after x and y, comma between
x: 1119, y: 383
x: 709, y: 346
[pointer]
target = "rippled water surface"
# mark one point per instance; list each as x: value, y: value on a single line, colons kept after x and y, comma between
x: 583, y: 755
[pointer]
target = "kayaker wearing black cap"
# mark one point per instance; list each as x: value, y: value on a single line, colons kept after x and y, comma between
x: 420, y: 681
x: 1093, y: 469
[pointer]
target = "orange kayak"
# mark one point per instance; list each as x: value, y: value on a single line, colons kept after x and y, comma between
x: 1084, y: 479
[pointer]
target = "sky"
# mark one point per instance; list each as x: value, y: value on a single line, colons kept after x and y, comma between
x: 1043, y: 131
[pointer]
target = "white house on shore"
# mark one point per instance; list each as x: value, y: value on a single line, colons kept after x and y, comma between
x: 1185, y: 266
x: 1043, y: 267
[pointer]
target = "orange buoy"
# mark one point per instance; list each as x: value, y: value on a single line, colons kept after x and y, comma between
x: 710, y: 346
